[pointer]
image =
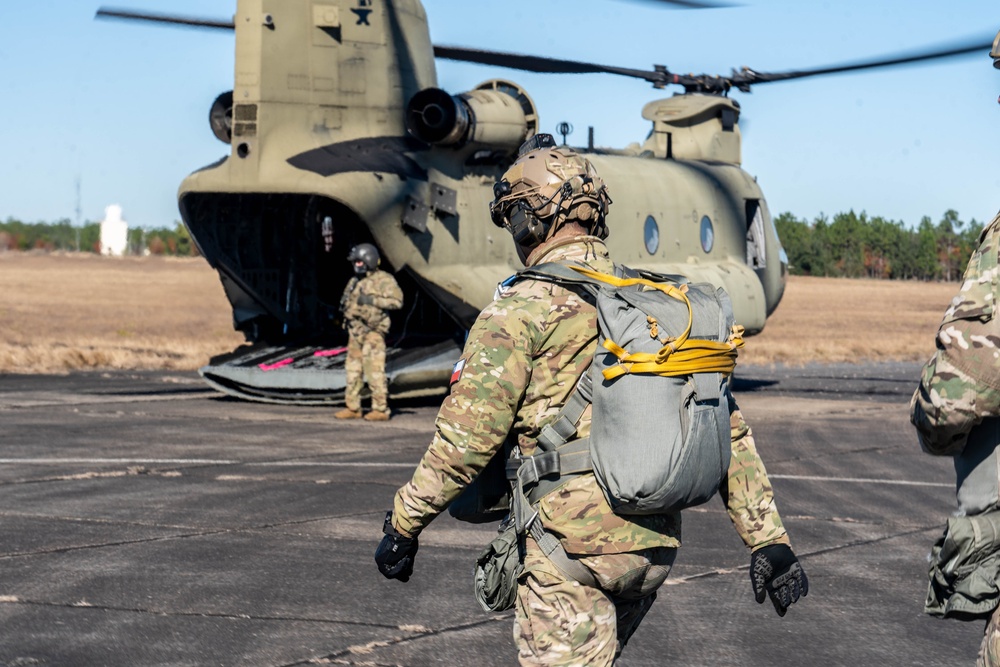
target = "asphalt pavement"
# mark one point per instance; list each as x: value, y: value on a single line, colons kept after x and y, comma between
x: 148, y: 520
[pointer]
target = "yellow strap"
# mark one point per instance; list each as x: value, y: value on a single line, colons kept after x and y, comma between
x: 670, y: 290
x: 693, y: 356
x: 680, y: 356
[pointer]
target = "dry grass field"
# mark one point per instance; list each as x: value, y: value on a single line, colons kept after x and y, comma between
x: 81, y: 311
x: 843, y: 320
x: 66, y: 312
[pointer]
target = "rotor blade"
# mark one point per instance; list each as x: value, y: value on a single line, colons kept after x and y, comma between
x: 690, y: 4
x: 751, y: 77
x: 542, y: 64
x: 129, y: 15
x: 152, y: 17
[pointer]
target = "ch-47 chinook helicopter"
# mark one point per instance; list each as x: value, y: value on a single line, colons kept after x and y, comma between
x: 338, y: 135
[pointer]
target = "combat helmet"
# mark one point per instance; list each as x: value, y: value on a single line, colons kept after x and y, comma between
x: 546, y: 187
x: 364, y: 257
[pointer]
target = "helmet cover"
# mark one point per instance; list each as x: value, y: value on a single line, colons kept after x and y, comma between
x: 546, y: 187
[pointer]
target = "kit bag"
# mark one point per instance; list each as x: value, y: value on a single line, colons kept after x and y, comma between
x: 659, y: 386
x: 497, y: 569
x: 964, y: 572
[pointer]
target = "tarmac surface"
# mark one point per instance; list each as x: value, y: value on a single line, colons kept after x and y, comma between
x: 147, y: 520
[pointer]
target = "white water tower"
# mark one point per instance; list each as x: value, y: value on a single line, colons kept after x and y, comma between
x: 114, y: 232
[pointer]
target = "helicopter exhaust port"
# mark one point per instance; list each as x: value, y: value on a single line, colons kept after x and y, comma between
x: 220, y: 117
x: 437, y: 118
x: 497, y: 113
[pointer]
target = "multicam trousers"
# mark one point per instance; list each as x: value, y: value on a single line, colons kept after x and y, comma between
x: 559, y: 621
x: 366, y: 359
x: 989, y: 651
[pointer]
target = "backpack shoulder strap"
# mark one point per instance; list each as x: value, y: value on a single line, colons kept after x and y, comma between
x: 563, y: 428
x: 561, y: 274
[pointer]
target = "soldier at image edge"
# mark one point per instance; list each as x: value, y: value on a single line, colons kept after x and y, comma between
x: 522, y: 359
x: 956, y: 411
x: 367, y: 297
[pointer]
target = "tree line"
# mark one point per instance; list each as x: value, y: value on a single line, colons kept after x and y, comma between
x: 851, y: 245
x: 63, y: 235
x: 854, y: 245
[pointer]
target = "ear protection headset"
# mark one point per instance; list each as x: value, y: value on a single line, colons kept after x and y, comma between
x: 521, y: 219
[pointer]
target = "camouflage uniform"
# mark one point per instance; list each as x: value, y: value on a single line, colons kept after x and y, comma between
x: 957, y: 403
x: 521, y: 361
x: 367, y: 325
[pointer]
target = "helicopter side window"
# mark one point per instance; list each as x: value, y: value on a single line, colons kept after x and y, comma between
x: 707, y: 234
x: 651, y: 235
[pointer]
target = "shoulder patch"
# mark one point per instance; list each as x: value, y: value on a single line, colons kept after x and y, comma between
x: 456, y: 372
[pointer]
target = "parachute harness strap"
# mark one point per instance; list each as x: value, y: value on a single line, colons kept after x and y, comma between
x: 678, y: 356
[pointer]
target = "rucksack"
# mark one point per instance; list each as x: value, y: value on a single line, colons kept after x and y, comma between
x: 660, y: 435
x: 659, y: 386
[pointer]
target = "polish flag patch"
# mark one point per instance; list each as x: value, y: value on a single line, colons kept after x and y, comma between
x: 456, y: 372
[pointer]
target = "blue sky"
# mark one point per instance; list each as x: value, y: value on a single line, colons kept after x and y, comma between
x: 123, y: 107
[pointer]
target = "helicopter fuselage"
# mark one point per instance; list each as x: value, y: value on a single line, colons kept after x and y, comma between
x: 321, y: 158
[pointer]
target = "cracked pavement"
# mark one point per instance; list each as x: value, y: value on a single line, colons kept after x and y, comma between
x: 146, y: 520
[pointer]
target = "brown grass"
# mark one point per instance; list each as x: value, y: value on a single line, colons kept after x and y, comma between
x: 839, y: 319
x: 79, y: 311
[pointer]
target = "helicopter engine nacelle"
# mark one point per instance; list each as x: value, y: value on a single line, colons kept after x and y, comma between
x: 497, y: 113
x: 694, y: 127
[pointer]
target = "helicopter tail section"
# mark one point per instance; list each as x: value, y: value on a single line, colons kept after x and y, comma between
x: 281, y: 258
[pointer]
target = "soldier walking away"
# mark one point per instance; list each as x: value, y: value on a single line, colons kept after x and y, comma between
x: 367, y: 297
x: 956, y: 410
x: 521, y: 362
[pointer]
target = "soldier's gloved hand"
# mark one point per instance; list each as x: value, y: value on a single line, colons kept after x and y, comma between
x: 366, y: 300
x: 395, y: 553
x: 775, y: 572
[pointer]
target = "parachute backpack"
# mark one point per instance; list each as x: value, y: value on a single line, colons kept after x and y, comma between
x: 659, y: 387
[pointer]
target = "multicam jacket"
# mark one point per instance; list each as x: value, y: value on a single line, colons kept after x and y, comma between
x: 521, y: 361
x: 960, y: 384
x: 385, y: 294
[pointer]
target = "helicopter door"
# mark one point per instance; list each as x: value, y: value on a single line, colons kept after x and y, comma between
x: 756, y: 241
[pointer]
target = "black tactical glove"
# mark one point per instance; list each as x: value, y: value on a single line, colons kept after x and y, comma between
x: 366, y: 300
x: 395, y: 553
x: 775, y: 572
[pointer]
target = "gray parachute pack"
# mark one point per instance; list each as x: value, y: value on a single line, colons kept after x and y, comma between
x: 659, y: 386
x: 659, y: 438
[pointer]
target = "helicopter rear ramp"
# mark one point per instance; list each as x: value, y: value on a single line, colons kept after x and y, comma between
x: 315, y: 375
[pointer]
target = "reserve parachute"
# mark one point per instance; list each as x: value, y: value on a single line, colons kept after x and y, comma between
x: 659, y: 387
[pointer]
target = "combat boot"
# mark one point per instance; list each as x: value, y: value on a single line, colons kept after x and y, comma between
x: 377, y: 416
x: 347, y: 413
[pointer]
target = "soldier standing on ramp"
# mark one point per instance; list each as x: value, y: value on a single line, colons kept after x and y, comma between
x: 367, y: 297
x: 521, y: 362
x: 956, y: 409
